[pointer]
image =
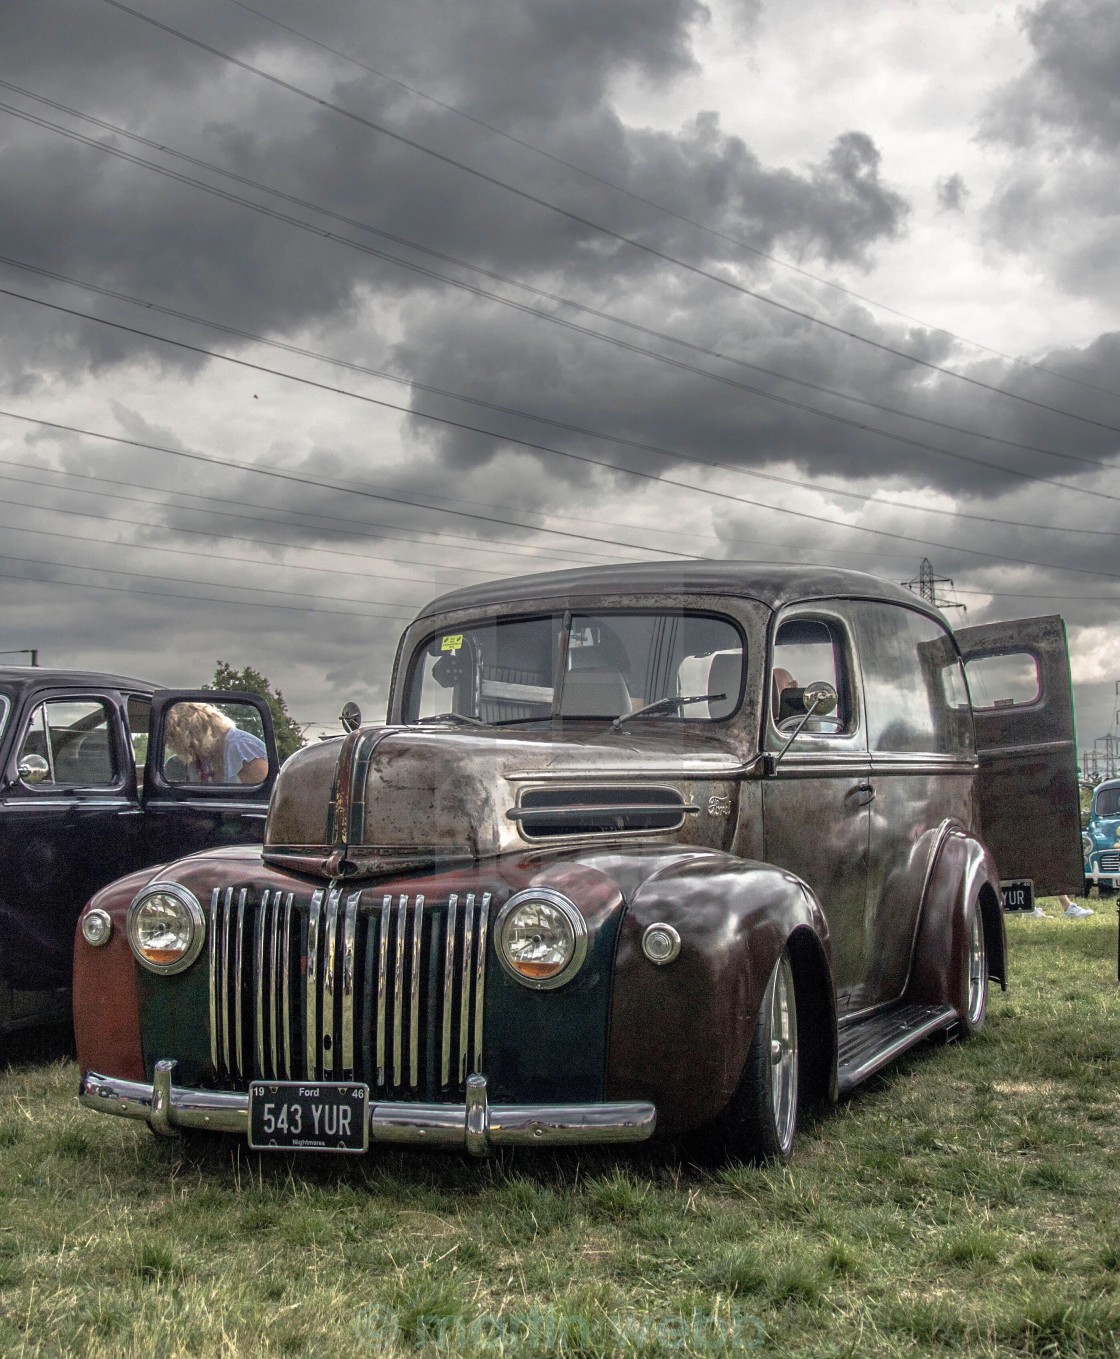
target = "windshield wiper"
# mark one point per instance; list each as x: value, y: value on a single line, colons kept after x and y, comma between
x: 666, y: 705
x: 452, y: 717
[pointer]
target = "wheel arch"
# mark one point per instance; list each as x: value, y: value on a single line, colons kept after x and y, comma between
x: 680, y: 1033
x: 963, y: 879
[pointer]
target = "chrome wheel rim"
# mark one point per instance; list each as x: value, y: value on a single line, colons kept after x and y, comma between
x: 783, y: 1055
x: 977, y: 970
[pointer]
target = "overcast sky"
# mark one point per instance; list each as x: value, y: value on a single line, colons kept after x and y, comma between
x: 825, y: 281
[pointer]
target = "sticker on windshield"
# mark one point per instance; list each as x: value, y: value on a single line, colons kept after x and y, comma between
x: 454, y: 642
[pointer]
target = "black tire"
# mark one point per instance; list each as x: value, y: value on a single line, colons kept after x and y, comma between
x: 976, y: 975
x: 764, y: 1110
x: 1103, y: 891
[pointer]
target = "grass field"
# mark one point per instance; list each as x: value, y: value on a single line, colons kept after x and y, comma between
x: 967, y: 1202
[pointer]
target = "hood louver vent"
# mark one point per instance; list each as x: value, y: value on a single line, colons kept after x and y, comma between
x: 545, y: 813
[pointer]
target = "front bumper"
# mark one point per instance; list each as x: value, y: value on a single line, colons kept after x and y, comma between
x: 477, y: 1126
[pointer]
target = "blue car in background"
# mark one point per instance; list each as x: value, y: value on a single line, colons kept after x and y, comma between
x: 1101, y: 839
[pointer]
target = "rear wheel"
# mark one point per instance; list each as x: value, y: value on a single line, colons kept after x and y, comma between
x: 976, y: 994
x: 766, y: 1101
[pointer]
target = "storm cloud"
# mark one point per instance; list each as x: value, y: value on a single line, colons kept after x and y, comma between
x: 511, y: 284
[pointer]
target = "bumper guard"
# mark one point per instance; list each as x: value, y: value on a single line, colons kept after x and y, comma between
x: 478, y: 1126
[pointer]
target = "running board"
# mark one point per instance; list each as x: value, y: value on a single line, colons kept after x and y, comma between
x: 870, y: 1044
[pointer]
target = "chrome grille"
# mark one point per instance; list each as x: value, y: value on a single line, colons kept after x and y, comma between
x: 1109, y: 862
x: 348, y: 986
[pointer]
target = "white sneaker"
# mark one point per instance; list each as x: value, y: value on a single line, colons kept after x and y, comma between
x: 1038, y: 913
x: 1076, y: 912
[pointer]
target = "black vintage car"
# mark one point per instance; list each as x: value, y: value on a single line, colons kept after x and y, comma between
x: 78, y: 808
x: 672, y: 847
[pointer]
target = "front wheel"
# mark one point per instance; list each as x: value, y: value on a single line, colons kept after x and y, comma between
x: 767, y: 1096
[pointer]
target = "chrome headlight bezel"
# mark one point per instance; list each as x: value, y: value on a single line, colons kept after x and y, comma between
x: 97, y: 927
x: 573, y: 920
x: 192, y: 913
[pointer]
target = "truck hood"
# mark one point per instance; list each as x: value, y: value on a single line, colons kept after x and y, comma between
x: 384, y: 800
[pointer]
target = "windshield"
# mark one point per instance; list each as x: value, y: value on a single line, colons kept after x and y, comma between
x: 1108, y: 802
x: 592, y: 665
x: 5, y: 709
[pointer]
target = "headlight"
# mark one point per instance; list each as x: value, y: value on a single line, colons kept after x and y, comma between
x: 541, y: 938
x: 166, y: 927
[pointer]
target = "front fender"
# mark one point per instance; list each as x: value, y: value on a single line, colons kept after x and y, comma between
x: 679, y: 1033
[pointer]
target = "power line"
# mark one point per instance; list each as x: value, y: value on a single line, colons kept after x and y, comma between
x: 148, y: 575
x: 640, y: 445
x: 623, y: 239
x: 544, y: 448
x: 485, y: 293
x: 669, y: 212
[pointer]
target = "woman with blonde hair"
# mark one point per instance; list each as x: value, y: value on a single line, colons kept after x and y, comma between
x: 212, y: 747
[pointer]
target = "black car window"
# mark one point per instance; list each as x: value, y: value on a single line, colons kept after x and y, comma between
x: 1108, y: 802
x: 810, y: 651
x: 912, y: 685
x: 73, y: 738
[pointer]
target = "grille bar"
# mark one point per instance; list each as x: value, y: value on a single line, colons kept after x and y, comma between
x: 360, y: 985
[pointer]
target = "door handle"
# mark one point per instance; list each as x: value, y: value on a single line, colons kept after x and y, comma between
x: 864, y: 794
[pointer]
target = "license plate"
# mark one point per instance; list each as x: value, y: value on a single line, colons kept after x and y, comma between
x: 1018, y: 895
x: 308, y: 1116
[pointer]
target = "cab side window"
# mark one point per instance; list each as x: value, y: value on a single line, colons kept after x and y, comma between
x: 139, y: 722
x: 810, y: 651
x: 69, y: 742
x: 916, y: 701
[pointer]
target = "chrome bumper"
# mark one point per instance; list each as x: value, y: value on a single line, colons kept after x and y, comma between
x: 477, y: 1125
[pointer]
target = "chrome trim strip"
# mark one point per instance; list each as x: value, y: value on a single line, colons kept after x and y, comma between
x: 276, y: 1014
x: 311, y: 988
x: 227, y: 918
x: 448, y: 989
x: 349, y: 945
x: 414, y: 1000
x: 476, y: 1125
x: 239, y: 984
x: 259, y: 982
x: 398, y: 993
x: 215, y: 906
x: 480, y: 980
x: 286, y: 983
x: 334, y: 896
x: 465, y: 994
x: 382, y: 984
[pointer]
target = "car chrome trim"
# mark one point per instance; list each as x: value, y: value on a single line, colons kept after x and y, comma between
x: 311, y: 987
x: 476, y: 1126
x: 334, y: 896
x: 448, y: 990
x: 349, y: 940
x: 414, y: 996
x: 480, y: 979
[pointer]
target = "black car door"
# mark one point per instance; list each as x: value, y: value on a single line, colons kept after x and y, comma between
x: 69, y: 824
x: 210, y: 765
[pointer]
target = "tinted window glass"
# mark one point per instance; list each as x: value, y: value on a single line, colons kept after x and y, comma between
x: 68, y: 742
x: 1008, y: 681
x: 809, y: 651
x: 214, y: 743
x: 594, y: 665
x: 911, y: 676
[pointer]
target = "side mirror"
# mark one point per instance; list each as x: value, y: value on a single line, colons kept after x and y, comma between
x: 820, y: 698
x: 33, y: 769
x: 350, y: 717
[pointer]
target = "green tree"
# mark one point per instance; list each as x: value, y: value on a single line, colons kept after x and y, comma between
x: 248, y: 680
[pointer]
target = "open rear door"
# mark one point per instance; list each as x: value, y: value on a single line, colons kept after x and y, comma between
x: 1022, y: 701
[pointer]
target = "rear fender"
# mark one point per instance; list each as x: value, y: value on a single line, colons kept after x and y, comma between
x: 680, y: 1032
x: 963, y: 872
